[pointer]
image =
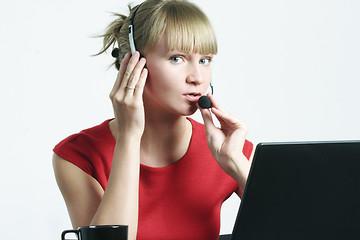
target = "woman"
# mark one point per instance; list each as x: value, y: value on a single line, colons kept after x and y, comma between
x: 152, y: 167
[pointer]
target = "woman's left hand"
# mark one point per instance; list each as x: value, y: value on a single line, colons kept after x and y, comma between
x: 227, y: 141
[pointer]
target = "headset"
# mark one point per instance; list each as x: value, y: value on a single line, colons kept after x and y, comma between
x: 204, y: 101
x: 131, y: 30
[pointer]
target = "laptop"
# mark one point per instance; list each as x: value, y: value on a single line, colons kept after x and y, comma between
x: 301, y: 191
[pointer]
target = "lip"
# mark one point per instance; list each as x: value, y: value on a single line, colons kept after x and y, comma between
x: 192, y: 96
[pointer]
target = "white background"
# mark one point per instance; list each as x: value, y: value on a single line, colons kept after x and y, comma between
x: 289, y: 68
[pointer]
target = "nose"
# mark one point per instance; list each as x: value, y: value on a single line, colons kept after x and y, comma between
x: 195, y: 75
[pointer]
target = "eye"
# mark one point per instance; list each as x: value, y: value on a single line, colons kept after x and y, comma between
x: 176, y: 59
x: 205, y: 61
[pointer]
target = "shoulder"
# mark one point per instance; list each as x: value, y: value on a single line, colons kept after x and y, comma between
x: 80, y: 147
x: 87, y: 136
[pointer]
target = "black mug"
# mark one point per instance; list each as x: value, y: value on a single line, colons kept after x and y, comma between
x: 100, y: 232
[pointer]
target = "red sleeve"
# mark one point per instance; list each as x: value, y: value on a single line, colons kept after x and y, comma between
x: 248, y: 148
x: 76, y: 150
x: 91, y: 150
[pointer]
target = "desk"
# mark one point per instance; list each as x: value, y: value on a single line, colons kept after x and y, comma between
x: 221, y: 237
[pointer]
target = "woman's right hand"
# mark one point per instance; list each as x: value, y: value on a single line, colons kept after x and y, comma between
x: 126, y: 95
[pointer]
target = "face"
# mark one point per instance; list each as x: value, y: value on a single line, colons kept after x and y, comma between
x: 176, y: 80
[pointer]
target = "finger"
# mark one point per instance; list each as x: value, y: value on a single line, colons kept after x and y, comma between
x: 208, y: 121
x: 134, y: 77
x: 129, y: 69
x: 222, y: 115
x: 230, y: 124
x: 124, y: 63
x: 121, y: 72
x: 217, y: 108
x: 228, y: 119
x: 215, y: 103
x: 131, y: 87
x: 139, y: 89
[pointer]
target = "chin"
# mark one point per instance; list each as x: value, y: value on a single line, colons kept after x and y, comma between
x: 189, y: 111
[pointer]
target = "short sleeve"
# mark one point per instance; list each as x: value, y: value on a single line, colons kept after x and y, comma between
x: 248, y: 148
x: 76, y: 150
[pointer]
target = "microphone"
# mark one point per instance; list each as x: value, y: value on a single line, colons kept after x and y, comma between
x: 204, y: 102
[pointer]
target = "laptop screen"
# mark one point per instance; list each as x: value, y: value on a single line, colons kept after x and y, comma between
x: 306, y: 190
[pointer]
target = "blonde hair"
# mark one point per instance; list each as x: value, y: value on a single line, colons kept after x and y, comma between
x: 188, y: 28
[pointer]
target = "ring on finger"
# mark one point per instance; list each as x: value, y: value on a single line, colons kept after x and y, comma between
x: 130, y: 87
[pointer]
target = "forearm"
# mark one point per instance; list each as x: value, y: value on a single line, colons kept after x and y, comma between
x: 120, y: 202
x: 243, y: 173
x: 240, y: 172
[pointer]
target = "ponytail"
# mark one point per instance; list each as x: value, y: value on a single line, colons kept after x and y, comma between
x: 115, y: 32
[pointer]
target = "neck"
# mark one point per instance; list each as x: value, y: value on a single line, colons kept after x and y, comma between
x: 165, y: 140
x: 167, y: 124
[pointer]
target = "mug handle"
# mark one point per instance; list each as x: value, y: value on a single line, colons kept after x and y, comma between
x: 69, y: 231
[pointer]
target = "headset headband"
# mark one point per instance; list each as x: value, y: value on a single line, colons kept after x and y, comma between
x: 131, y: 30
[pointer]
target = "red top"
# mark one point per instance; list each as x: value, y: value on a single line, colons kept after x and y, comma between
x: 179, y: 201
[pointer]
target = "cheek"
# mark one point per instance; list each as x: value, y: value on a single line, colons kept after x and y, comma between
x: 209, y: 74
x: 162, y: 76
x: 157, y: 80
x: 208, y: 77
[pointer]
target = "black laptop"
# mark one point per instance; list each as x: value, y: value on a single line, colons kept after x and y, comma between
x: 301, y: 191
